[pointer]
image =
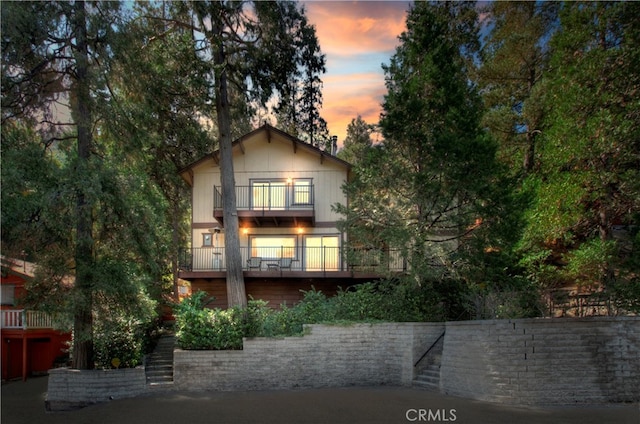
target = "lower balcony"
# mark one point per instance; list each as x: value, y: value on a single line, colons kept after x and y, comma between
x: 293, y: 262
x: 21, y: 319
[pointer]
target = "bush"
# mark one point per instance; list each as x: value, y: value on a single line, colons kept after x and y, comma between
x: 201, y: 328
x: 120, y: 342
x: 393, y: 300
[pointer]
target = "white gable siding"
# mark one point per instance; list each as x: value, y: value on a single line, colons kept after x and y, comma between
x: 264, y: 160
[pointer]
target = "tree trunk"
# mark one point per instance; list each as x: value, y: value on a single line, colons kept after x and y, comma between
x: 530, y: 154
x: 236, y: 295
x: 83, y: 318
x: 175, y: 238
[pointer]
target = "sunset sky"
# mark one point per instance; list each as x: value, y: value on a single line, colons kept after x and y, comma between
x: 357, y: 37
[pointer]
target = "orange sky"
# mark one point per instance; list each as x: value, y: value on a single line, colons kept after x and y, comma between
x: 356, y: 37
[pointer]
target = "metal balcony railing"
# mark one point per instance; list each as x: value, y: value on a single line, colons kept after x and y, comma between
x: 285, y: 258
x: 283, y: 197
x: 23, y: 319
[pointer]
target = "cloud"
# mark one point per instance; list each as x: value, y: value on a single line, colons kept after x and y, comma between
x: 347, y: 96
x: 354, y: 27
x: 357, y: 37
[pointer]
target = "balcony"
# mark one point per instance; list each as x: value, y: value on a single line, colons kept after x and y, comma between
x: 20, y: 319
x: 271, y: 203
x: 294, y: 262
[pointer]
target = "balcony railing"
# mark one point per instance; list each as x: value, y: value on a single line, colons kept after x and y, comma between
x: 282, y: 197
x: 23, y: 319
x: 305, y: 259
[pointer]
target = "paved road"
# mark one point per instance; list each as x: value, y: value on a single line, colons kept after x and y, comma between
x: 24, y: 403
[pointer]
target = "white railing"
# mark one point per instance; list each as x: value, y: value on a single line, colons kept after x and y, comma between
x: 20, y: 318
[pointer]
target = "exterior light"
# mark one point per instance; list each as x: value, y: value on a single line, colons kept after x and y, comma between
x: 300, y: 230
x: 245, y: 231
x: 289, y: 180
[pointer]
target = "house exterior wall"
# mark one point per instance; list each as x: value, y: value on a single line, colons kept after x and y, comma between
x: 272, y: 160
x: 277, y: 292
x: 28, y: 343
x: 268, y: 156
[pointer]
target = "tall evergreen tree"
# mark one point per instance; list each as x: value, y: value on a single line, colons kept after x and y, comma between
x: 358, y: 140
x: 298, y: 110
x: 589, y: 152
x: 427, y: 184
x: 158, y: 87
x: 50, y: 53
x: 514, y: 57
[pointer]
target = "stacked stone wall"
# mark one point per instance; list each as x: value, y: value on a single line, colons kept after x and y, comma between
x: 71, y: 389
x: 543, y: 361
x: 327, y: 356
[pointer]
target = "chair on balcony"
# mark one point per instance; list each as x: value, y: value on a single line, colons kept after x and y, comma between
x: 254, y: 263
x: 285, y: 263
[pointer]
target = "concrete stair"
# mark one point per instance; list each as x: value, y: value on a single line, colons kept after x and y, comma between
x: 159, y: 365
x: 427, y: 371
x: 429, y: 377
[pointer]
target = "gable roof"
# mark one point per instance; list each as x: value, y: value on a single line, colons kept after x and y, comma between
x: 296, y: 143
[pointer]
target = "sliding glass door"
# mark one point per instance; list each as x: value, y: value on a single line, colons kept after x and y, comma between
x: 322, y: 253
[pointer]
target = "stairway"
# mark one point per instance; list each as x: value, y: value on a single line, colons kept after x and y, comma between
x: 159, y: 365
x: 429, y: 377
x: 428, y: 370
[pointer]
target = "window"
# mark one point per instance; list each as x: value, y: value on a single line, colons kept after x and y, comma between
x: 273, y: 247
x: 281, y: 194
x: 302, y: 192
x: 207, y: 239
x: 322, y: 253
x: 269, y: 194
x: 8, y: 291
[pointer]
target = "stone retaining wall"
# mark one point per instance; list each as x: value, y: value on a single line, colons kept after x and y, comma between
x: 543, y: 361
x: 327, y: 356
x: 526, y: 362
x: 72, y: 389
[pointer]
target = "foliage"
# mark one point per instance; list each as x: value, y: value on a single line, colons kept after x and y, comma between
x: 587, y: 180
x: 199, y: 327
x: 515, y: 57
x: 121, y: 342
x: 427, y: 186
x: 382, y: 301
x: 357, y: 141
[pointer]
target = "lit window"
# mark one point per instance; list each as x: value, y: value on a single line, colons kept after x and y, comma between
x: 273, y: 247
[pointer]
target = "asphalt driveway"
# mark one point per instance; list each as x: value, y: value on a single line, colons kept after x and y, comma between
x: 23, y: 402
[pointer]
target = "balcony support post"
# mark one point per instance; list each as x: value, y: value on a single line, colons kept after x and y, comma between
x: 24, y: 355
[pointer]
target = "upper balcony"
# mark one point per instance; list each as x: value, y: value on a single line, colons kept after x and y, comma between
x: 277, y: 203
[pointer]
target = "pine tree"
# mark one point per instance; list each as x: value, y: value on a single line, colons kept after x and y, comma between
x: 589, y: 152
x: 425, y: 186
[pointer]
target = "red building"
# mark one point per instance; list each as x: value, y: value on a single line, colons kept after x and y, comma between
x: 30, y: 343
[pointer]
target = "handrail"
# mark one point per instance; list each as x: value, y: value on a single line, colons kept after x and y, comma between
x: 269, y: 198
x: 430, y: 347
x: 23, y: 319
x: 318, y: 259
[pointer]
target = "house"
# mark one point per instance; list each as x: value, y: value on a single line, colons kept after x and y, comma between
x: 290, y: 240
x: 30, y: 342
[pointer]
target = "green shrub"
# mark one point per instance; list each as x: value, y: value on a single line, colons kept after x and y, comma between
x: 393, y: 300
x: 201, y: 328
x: 118, y: 343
